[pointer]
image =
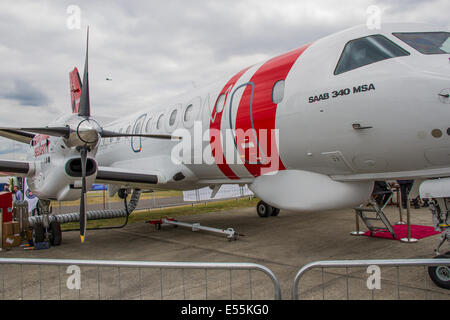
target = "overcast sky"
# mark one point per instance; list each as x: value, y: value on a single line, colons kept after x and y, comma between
x: 154, y: 50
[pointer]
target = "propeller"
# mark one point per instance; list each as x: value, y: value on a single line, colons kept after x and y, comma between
x: 50, y: 131
x: 88, y: 132
x: 112, y: 134
x: 82, y: 132
x: 89, y: 135
x: 83, y: 219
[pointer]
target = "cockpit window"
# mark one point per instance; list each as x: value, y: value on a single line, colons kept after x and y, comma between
x: 427, y: 42
x: 367, y: 50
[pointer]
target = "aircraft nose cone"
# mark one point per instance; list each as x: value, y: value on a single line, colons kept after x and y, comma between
x: 88, y: 131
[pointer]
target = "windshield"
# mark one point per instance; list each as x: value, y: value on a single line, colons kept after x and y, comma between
x: 427, y: 42
x: 363, y: 51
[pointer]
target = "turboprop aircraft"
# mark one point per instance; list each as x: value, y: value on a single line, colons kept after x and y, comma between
x: 308, y: 130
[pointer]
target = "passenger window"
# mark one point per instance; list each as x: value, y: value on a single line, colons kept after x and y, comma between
x: 173, y: 117
x: 188, y: 113
x: 278, y: 91
x: 159, y: 122
x: 367, y: 50
x: 148, y: 127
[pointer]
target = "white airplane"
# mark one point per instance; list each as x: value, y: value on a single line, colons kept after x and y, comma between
x: 308, y: 130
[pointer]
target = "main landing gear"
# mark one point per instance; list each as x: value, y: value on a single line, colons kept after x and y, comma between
x: 441, y: 274
x: 439, y: 208
x: 46, y: 231
x: 265, y: 210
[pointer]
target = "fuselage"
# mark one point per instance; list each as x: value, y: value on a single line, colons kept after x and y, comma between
x: 394, y: 101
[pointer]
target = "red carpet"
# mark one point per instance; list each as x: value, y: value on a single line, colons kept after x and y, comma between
x: 417, y: 232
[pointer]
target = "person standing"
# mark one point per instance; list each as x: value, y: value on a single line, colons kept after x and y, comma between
x: 18, y: 195
x: 405, y: 188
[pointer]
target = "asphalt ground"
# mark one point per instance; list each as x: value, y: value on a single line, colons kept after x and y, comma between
x: 283, y: 244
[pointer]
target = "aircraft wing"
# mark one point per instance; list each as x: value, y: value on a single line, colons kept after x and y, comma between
x: 157, y: 172
x: 126, y: 177
x: 21, y: 136
x: 14, y: 168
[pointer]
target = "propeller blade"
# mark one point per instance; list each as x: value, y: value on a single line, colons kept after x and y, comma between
x: 111, y: 134
x: 84, y: 109
x: 50, y: 131
x: 83, y: 219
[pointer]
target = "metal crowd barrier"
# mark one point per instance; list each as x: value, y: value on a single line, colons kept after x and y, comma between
x: 428, y: 286
x: 139, y: 284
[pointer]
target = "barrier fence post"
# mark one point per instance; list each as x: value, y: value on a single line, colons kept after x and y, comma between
x: 357, y: 232
x: 399, y: 203
x: 408, y: 239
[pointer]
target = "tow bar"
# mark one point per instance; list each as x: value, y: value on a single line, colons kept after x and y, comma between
x: 231, y: 234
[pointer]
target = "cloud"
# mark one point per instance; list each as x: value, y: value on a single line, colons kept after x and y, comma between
x: 26, y: 94
x: 12, y: 150
x: 155, y: 50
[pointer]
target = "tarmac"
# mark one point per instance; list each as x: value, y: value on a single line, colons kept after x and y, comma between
x: 283, y: 244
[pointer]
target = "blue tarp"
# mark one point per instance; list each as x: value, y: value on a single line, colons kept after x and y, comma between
x: 97, y: 187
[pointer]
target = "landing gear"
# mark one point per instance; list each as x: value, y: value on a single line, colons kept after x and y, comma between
x: 440, y: 275
x: 265, y: 210
x: 54, y: 233
x: 45, y: 231
x: 122, y: 193
x: 38, y: 234
x: 439, y: 207
x: 275, y: 212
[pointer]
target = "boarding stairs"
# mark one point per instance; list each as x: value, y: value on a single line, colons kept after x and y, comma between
x: 373, y: 216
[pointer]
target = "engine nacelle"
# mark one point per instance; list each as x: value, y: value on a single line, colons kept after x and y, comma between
x: 309, y: 191
x: 60, y: 178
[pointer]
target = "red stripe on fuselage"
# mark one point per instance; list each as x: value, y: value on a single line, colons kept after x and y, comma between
x: 263, y: 112
x: 214, y: 126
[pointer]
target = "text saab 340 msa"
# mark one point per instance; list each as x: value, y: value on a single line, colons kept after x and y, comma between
x: 310, y: 129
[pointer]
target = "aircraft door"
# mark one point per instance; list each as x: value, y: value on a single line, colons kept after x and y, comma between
x: 245, y: 137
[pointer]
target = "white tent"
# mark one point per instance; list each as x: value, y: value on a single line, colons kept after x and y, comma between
x: 226, y: 191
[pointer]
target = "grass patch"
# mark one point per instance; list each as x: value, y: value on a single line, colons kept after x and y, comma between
x: 145, y: 214
x: 96, y: 197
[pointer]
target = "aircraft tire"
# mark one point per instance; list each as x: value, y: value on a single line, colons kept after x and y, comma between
x: 263, y: 209
x: 440, y: 275
x: 55, y: 233
x: 122, y: 193
x: 275, y: 212
x: 38, y: 233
